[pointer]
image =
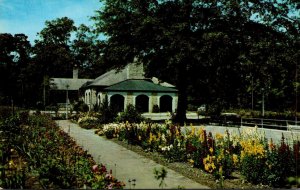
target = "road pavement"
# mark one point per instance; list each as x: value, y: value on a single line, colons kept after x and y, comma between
x: 275, y: 134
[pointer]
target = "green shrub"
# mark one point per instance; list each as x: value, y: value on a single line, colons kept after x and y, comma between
x: 109, y: 130
x: 89, y: 120
x: 281, y: 164
x: 252, y: 167
x: 215, y: 108
x: 130, y: 114
x: 80, y: 107
x: 5, y: 112
x: 155, y: 109
x: 108, y: 114
x: 191, y: 107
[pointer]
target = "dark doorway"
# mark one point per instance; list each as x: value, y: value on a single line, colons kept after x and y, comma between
x: 165, y: 103
x: 142, y: 103
x: 117, y: 102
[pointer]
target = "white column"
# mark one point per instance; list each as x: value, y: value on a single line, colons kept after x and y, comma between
x: 174, y: 102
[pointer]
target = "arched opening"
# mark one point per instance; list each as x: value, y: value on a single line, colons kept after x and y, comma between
x: 142, y: 103
x: 117, y: 102
x: 165, y: 103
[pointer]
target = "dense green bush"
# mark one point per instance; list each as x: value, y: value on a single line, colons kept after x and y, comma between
x: 130, y: 114
x: 89, y: 120
x: 281, y: 164
x: 108, y: 113
x: 252, y: 168
x: 5, y: 112
x: 80, y: 107
x: 191, y: 107
x: 155, y: 109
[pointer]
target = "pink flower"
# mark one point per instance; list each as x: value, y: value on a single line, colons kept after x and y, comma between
x: 95, y: 168
x: 110, y: 186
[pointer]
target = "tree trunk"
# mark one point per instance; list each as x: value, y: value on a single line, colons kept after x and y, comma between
x: 182, y: 67
x: 180, y: 116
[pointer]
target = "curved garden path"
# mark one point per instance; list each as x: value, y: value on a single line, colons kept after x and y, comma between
x: 125, y: 164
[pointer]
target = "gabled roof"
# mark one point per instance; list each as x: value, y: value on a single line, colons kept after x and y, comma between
x: 109, y: 78
x: 67, y: 83
x: 140, y: 86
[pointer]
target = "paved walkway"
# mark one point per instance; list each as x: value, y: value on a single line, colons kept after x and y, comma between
x: 276, y: 135
x: 125, y: 164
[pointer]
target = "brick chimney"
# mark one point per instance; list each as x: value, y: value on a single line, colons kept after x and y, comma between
x: 75, y: 72
x: 135, y: 71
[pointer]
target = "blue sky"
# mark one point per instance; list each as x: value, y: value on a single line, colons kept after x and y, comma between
x: 29, y: 16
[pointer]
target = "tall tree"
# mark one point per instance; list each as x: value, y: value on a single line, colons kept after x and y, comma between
x: 53, y: 56
x: 14, y: 59
x: 156, y: 32
x: 215, y: 38
x: 52, y: 49
x: 86, y: 49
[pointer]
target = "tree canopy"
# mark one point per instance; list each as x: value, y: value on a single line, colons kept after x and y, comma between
x: 14, y: 58
x: 222, y: 53
x: 206, y: 48
x: 25, y: 70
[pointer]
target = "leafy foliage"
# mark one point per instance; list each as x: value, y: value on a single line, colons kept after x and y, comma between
x: 130, y: 115
x: 107, y: 112
x: 206, y: 48
x: 36, y: 154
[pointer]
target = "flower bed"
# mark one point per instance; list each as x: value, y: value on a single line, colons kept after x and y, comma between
x: 89, y: 120
x: 259, y: 161
x: 35, y: 153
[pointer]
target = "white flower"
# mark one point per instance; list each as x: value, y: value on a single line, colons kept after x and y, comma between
x: 163, y: 138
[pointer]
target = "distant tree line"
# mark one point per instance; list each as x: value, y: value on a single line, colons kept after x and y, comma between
x: 222, y: 53
x: 25, y: 69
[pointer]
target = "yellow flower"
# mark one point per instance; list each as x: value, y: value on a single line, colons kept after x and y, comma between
x: 201, y: 134
x: 193, y: 131
x: 219, y: 136
x: 177, y: 132
x: 220, y: 157
x: 11, y: 164
x: 220, y: 170
x: 211, y: 150
x: 235, y: 159
x: 150, y: 137
x: 252, y: 147
x: 209, y: 164
x: 271, y: 145
x: 99, y: 177
x: 191, y: 161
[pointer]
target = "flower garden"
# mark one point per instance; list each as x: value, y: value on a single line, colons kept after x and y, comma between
x: 258, y: 160
x: 36, y: 154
